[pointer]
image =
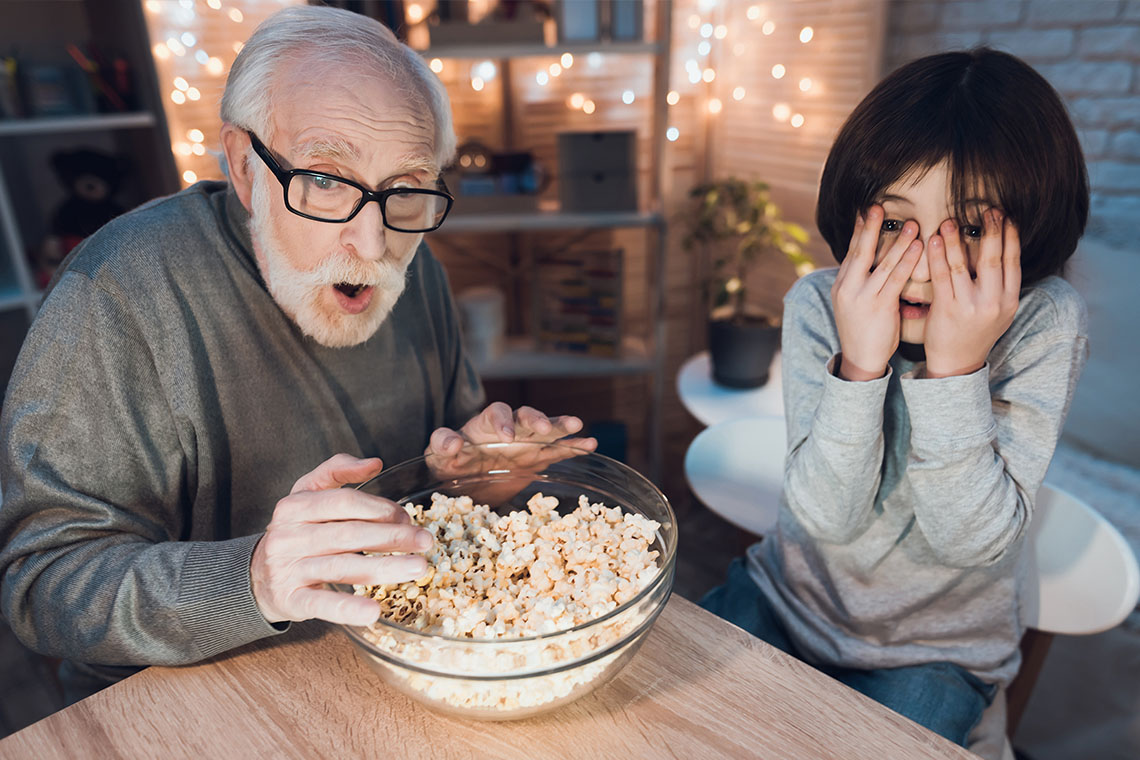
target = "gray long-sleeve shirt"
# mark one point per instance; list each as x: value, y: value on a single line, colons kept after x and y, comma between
x: 906, y: 499
x: 160, y: 407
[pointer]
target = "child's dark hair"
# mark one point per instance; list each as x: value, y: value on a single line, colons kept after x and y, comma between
x: 994, y: 119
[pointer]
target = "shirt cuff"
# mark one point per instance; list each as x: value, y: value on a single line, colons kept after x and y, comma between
x: 216, y: 603
x: 851, y: 410
x: 949, y: 413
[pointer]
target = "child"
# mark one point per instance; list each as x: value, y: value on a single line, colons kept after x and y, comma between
x: 926, y: 382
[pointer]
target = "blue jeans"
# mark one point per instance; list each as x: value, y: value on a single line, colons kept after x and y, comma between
x: 943, y: 697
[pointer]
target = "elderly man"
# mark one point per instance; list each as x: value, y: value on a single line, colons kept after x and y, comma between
x: 199, y: 353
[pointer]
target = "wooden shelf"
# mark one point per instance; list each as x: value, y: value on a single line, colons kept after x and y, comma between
x: 547, y: 220
x: 521, y: 360
x: 86, y: 123
x: 536, y: 49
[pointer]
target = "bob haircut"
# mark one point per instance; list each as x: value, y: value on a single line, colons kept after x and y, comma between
x: 997, y: 123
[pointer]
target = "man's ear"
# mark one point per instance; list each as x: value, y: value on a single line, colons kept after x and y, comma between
x: 235, y: 144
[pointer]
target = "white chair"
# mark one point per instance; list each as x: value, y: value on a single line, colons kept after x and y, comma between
x: 736, y: 469
x: 1082, y: 579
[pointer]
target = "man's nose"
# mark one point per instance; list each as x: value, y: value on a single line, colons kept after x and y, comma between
x: 364, y: 234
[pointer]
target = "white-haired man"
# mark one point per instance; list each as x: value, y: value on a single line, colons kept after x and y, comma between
x: 196, y: 355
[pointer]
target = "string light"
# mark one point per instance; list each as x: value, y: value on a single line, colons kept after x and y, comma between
x: 567, y: 60
x: 588, y: 107
x: 781, y: 111
x: 198, y: 149
x: 738, y: 93
x: 753, y: 12
x: 720, y: 32
x: 215, y: 4
x: 183, y: 148
x: 694, y: 76
x: 542, y: 78
x: 215, y: 66
x: 188, y: 39
x: 694, y: 21
x: 193, y: 93
x: 627, y: 97
x: 778, y: 71
x: 805, y: 84
x: 768, y: 27
x: 798, y: 120
x: 806, y: 34
x: 181, y: 84
x: 576, y: 100
x: 708, y: 75
x: 236, y: 16
x: 189, y: 177
x: 555, y: 69
x: 485, y: 70
x: 175, y: 46
x: 706, y: 30
x: 178, y: 97
x: 202, y: 57
x: 416, y: 13
x: 195, y: 135
x: 477, y: 84
x: 161, y: 52
x: 436, y: 65
x: 704, y: 48
x: 671, y: 134
x: 673, y: 97
x: 715, y: 105
x: 594, y: 60
x: 238, y: 46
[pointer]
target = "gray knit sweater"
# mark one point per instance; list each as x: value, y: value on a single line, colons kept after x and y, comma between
x: 906, y: 500
x: 161, y: 406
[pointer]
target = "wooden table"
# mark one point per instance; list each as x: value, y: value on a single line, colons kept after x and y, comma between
x: 698, y: 688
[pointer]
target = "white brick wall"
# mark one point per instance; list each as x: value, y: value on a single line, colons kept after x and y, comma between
x: 1088, y: 49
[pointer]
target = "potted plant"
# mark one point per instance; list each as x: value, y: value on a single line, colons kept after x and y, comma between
x: 737, y: 223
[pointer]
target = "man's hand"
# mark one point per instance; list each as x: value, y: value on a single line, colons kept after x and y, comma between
x: 315, y: 537
x: 498, y: 424
x: 968, y: 315
x: 865, y: 296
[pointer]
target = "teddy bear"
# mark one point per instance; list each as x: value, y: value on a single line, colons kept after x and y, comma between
x: 91, y: 178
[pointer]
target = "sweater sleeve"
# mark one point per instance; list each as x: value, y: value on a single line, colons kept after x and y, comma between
x: 835, y: 428
x: 98, y: 490
x: 981, y: 443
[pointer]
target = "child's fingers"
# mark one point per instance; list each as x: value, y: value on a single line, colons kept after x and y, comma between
x: 862, y: 255
x: 989, y: 265
x: 899, y: 274
x: 1011, y: 260
x: 900, y: 247
x: 956, y: 259
x: 939, y: 269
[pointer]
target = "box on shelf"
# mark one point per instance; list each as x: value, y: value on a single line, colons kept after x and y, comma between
x: 593, y: 20
x: 597, y: 171
x: 578, y: 302
x: 486, y: 33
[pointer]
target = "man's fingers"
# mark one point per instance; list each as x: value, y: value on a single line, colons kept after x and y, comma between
x: 444, y: 441
x: 337, y: 504
x: 337, y: 471
x: 534, y: 421
x: 353, y: 536
x: 333, y: 606
x: 361, y: 568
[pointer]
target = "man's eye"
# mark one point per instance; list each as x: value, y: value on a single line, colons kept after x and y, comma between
x: 971, y: 231
x: 323, y: 183
x: 892, y: 225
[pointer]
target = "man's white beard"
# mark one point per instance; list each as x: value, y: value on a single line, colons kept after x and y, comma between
x: 299, y: 294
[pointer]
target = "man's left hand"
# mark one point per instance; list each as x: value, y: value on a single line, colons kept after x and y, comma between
x: 499, y: 424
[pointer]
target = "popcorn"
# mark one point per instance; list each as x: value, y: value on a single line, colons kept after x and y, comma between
x: 494, y: 578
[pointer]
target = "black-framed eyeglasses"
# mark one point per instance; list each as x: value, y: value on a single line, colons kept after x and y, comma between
x: 329, y: 198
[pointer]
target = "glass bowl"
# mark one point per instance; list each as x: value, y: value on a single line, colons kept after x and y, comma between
x: 507, y: 679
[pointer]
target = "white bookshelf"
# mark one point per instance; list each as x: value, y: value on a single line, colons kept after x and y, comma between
x: 85, y: 123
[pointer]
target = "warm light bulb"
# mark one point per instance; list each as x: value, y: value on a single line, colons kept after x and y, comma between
x: 588, y: 107
x: 708, y: 75
x: 188, y: 39
x: 567, y: 60
x: 189, y: 177
x: 194, y: 93
x: 627, y: 97
x: 594, y: 60
x: 236, y: 16
x: 738, y: 93
x: 554, y: 69
x: 195, y: 135
x: 153, y: 6
x: 720, y: 32
x: 415, y: 13
x: 237, y: 46
x: 694, y: 21
x: 704, y: 48
x: 715, y: 105
x: 215, y: 4
x: 178, y: 97
x: 781, y: 111
x: 576, y: 100
x: 542, y: 78
x: 798, y: 120
x: 778, y: 71
x: 692, y: 64
x: 202, y: 57
x: 181, y: 84
x: 215, y: 66
x: 806, y: 34
x: 161, y: 52
x: 480, y: 161
x: 183, y: 148
x: 175, y: 46
x: 477, y: 84
x: 673, y: 97
x: 485, y: 70
x: 753, y: 12
x: 805, y: 84
x: 769, y: 27
x: 694, y: 76
x: 671, y: 134
x: 198, y: 148
x: 706, y: 30
x: 436, y: 65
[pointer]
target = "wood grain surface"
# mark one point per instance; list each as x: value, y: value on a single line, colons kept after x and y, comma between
x: 698, y: 688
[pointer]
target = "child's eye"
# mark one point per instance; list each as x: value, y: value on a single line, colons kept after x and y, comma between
x: 892, y: 225
x: 971, y: 231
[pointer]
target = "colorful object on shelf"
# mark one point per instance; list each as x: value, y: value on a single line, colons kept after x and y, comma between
x: 578, y: 302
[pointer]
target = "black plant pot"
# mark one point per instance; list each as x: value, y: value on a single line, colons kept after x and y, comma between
x: 742, y: 349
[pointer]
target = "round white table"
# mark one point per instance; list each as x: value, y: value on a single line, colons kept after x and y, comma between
x: 736, y: 468
x: 712, y: 403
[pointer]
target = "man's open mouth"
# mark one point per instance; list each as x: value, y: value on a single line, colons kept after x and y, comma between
x: 349, y: 289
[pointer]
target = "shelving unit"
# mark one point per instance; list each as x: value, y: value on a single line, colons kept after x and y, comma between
x: 639, y: 354
x: 29, y: 189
